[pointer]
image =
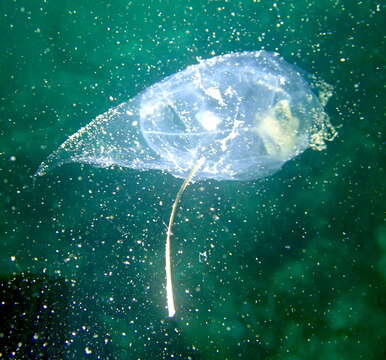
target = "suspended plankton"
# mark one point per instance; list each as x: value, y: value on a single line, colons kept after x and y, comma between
x: 239, y: 116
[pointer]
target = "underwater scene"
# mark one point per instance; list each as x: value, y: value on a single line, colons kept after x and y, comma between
x: 192, y: 180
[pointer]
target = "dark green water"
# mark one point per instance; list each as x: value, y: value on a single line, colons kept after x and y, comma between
x: 290, y: 267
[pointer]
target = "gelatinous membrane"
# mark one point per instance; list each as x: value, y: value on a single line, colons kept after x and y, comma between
x: 239, y: 116
x: 248, y: 113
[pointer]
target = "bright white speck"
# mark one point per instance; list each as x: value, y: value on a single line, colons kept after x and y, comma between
x: 208, y: 120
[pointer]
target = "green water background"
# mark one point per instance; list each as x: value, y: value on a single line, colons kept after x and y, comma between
x: 290, y: 267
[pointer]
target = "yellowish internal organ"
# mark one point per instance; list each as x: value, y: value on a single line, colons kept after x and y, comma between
x: 278, y: 130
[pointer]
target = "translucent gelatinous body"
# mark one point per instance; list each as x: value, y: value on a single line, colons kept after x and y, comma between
x: 246, y: 113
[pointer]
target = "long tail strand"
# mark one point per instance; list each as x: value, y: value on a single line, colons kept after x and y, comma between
x: 168, y: 267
